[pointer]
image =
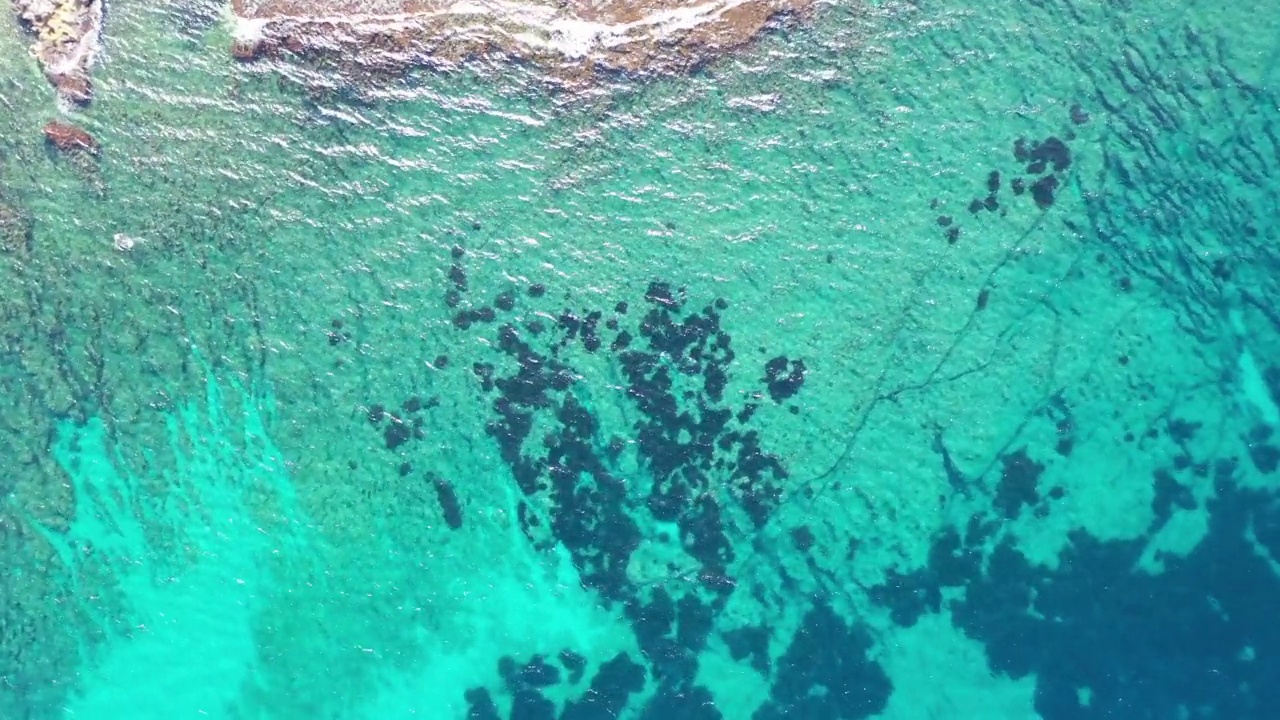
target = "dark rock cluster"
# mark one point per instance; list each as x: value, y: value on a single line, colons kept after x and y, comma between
x: 1049, y: 159
x: 708, y: 476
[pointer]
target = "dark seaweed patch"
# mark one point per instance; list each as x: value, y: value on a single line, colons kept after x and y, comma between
x: 449, y: 505
x: 708, y: 469
x: 1018, y: 480
x: 825, y: 673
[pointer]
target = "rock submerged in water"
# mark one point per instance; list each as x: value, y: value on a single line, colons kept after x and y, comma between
x: 67, y: 34
x: 572, y: 40
x: 68, y: 138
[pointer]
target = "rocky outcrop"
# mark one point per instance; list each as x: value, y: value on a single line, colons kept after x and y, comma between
x: 69, y: 139
x: 67, y: 35
x: 571, y: 39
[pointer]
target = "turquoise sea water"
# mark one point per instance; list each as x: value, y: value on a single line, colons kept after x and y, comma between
x: 763, y: 393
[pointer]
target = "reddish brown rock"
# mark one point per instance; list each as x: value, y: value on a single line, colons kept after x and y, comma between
x: 74, y: 86
x: 572, y: 39
x: 68, y: 138
x: 246, y: 50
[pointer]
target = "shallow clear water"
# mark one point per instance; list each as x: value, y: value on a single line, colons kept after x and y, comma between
x: 741, y: 395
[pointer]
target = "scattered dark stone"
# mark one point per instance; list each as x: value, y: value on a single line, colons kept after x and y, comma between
x: 377, y: 413
x: 480, y: 705
x: 397, y: 433
x: 537, y: 290
x: 412, y: 405
x: 794, y: 409
x: 782, y: 387
x: 575, y: 664
x: 1042, y: 191
x: 991, y: 204
x: 475, y: 225
x: 983, y: 296
x: 1018, y: 186
x: 458, y: 277
x: 1123, y: 359
x: 485, y: 314
x: 802, y: 538
x: 1017, y: 486
x: 456, y: 252
x: 405, y: 469
x: 621, y: 342
x: 993, y: 182
x: 452, y: 298
x: 449, y: 505
x: 722, y: 304
x: 944, y: 221
x: 505, y: 301
x: 1052, y: 151
x: 1057, y: 493
x: 953, y: 234
x: 660, y: 293
x: 1020, y: 151
x: 621, y: 307
x: 1078, y: 115
x: 976, y: 206
x: 464, y: 319
x: 441, y: 362
x: 1126, y: 283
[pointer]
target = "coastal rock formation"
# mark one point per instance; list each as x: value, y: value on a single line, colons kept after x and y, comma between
x: 68, y: 138
x: 568, y: 38
x: 81, y: 151
x: 67, y: 34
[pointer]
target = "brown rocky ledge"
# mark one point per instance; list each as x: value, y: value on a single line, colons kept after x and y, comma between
x: 572, y: 39
x: 67, y: 34
x: 69, y: 138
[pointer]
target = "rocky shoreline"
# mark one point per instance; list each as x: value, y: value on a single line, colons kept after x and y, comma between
x: 569, y: 39
x: 67, y: 38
